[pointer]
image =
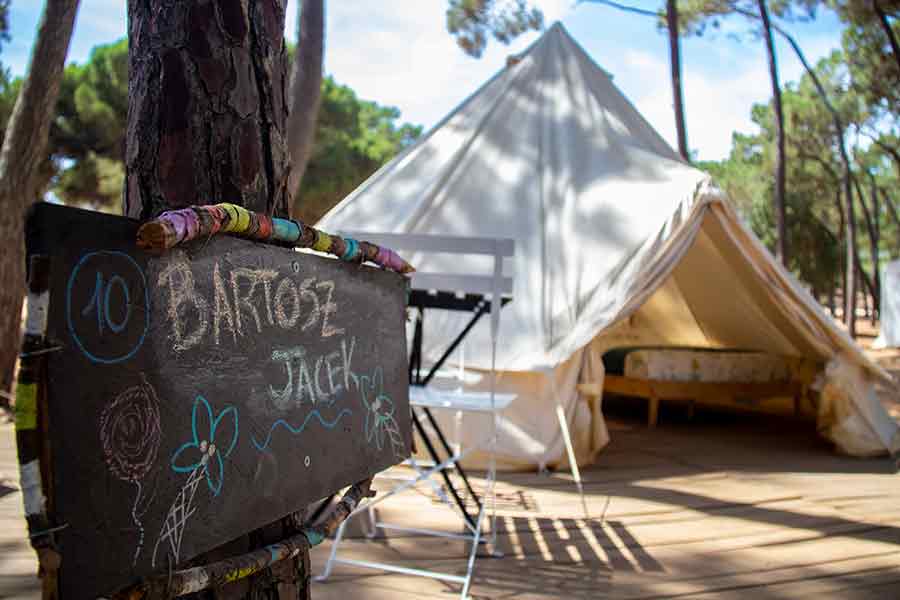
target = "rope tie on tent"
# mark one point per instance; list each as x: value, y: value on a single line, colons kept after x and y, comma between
x: 180, y: 226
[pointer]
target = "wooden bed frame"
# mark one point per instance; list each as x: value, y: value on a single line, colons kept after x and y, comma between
x: 656, y: 390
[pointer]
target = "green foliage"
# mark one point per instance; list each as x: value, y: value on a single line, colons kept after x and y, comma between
x: 93, y: 105
x: 697, y: 16
x: 87, y: 138
x: 4, y: 22
x: 353, y: 139
x: 472, y: 21
x: 94, y: 180
x: 815, y: 216
x: 874, y: 72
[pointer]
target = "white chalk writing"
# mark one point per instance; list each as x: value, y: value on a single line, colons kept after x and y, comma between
x: 244, y: 302
x: 312, y: 379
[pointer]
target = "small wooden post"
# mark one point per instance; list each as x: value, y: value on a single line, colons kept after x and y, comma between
x: 653, y: 410
x: 593, y: 392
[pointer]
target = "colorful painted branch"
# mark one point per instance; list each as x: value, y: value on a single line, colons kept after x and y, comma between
x: 337, y: 515
x: 220, y: 573
x: 178, y: 226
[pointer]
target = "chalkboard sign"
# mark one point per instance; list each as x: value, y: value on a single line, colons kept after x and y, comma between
x: 203, y: 393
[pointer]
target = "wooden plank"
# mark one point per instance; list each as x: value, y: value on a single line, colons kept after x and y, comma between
x: 206, y: 392
x: 697, y: 390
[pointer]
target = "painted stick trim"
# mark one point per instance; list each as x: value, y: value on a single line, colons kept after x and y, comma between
x: 175, y: 227
x: 32, y: 490
x: 36, y: 306
x: 190, y: 581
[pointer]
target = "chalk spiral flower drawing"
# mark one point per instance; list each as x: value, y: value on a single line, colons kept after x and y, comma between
x: 130, y: 432
x: 129, y: 435
x: 380, y: 421
x: 211, y: 443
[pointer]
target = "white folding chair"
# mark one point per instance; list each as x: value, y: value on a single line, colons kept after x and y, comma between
x: 480, y: 293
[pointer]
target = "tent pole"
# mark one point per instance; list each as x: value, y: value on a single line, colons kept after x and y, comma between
x: 576, y: 474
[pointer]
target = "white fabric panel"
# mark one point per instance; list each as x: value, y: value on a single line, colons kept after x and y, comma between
x: 618, y: 242
x: 889, y: 336
x: 528, y: 432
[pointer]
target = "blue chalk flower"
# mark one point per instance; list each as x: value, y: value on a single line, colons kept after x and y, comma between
x: 202, y: 450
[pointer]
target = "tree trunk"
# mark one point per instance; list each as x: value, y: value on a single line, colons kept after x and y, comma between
x: 876, y: 253
x: 781, y: 245
x: 888, y: 30
x: 831, y: 305
x: 848, y: 219
x: 306, y: 90
x: 206, y: 123
x: 871, y: 230
x: 24, y: 150
x: 892, y: 208
x: 675, y: 64
x: 865, y: 299
x: 206, y: 106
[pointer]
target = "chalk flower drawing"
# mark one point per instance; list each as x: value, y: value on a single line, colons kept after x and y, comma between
x: 201, y: 452
x: 380, y: 421
x: 130, y: 431
x: 182, y: 508
x: 129, y: 435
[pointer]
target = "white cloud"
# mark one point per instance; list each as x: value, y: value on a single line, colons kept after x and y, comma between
x: 717, y: 100
x: 405, y: 57
x: 714, y: 107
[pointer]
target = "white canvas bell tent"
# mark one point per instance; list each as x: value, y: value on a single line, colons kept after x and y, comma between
x: 618, y: 243
x: 889, y: 336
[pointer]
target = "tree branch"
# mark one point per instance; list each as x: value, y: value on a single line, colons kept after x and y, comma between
x: 892, y: 207
x: 305, y: 91
x: 888, y: 30
x: 29, y: 125
x: 24, y: 152
x: 623, y: 7
x: 892, y: 151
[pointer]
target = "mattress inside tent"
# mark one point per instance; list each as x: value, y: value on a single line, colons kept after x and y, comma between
x: 696, y: 364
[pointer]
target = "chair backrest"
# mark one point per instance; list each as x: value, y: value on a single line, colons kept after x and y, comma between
x: 495, y: 285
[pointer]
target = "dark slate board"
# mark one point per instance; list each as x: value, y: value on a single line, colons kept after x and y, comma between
x: 204, y: 393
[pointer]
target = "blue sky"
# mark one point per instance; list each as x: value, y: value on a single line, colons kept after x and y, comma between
x: 401, y: 55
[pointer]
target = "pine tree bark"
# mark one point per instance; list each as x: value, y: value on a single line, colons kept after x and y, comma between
x: 207, y: 106
x: 306, y: 89
x: 675, y: 65
x: 24, y: 150
x: 207, y: 120
x: 781, y: 244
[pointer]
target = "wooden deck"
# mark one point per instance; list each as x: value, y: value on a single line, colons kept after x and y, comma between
x: 721, y: 507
